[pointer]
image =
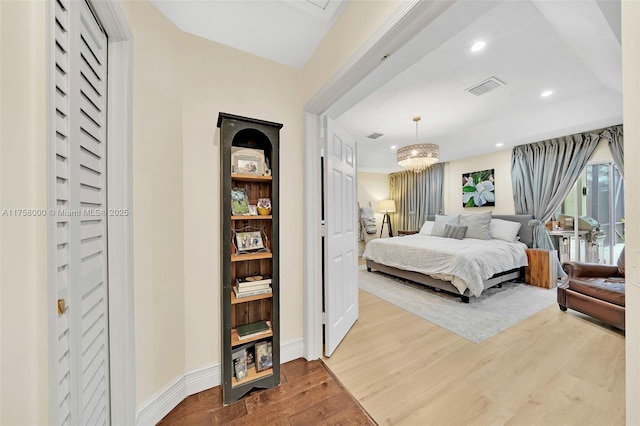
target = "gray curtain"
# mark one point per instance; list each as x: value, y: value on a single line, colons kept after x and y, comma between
x: 615, y: 136
x: 542, y: 175
x: 416, y: 195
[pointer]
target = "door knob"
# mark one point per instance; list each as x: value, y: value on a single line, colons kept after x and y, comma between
x: 62, y: 306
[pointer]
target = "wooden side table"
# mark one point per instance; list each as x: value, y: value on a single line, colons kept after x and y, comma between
x: 406, y: 232
x: 541, y: 271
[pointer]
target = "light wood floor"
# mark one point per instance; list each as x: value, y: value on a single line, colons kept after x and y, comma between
x: 554, y: 368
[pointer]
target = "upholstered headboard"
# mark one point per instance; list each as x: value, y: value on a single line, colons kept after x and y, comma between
x: 526, y: 231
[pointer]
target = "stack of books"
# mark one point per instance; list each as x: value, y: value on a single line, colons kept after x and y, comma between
x: 252, y: 286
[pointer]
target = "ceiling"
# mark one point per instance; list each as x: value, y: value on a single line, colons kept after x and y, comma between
x: 569, y: 47
x: 284, y: 31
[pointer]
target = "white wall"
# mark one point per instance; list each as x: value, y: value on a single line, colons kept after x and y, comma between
x: 158, y: 214
x: 23, y: 278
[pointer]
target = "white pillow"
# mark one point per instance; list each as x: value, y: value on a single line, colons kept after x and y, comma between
x: 504, y: 230
x: 478, y: 225
x: 427, y: 227
x: 442, y: 221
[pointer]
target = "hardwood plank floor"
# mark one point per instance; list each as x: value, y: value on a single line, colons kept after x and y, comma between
x: 309, y: 394
x: 553, y: 368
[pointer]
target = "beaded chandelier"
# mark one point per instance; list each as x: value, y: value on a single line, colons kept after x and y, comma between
x: 420, y: 156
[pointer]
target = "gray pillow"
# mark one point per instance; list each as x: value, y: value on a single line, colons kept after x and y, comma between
x: 454, y: 231
x: 440, y: 222
x: 478, y: 225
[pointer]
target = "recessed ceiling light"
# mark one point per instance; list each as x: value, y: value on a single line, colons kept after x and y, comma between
x: 546, y: 93
x: 393, y: 147
x: 477, y: 46
x: 499, y: 144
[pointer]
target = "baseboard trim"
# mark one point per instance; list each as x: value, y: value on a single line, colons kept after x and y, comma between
x: 194, y: 381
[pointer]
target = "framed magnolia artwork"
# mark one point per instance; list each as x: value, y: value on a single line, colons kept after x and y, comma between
x: 478, y: 189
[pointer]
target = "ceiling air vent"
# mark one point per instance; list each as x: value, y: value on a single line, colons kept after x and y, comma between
x: 375, y: 135
x: 486, y: 86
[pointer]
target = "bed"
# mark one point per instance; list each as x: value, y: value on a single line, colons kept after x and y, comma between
x: 464, y: 267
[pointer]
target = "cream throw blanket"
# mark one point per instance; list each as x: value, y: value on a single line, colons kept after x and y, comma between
x: 466, y: 263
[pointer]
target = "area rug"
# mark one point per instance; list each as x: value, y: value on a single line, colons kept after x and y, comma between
x: 494, y: 311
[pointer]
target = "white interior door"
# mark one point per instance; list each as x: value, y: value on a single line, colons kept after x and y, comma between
x: 78, y: 245
x: 341, y: 236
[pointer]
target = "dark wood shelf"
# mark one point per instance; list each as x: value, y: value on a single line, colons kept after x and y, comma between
x: 252, y: 375
x: 254, y: 217
x: 236, y: 341
x: 258, y: 141
x: 250, y: 256
x: 250, y: 178
x: 235, y: 300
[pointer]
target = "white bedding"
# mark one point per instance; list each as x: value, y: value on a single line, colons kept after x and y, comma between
x: 466, y: 263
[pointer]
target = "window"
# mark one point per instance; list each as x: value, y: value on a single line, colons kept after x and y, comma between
x: 596, y: 205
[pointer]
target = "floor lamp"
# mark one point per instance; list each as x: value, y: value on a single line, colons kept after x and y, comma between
x: 386, y: 207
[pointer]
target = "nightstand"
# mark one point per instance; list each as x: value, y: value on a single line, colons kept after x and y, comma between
x: 541, y: 271
x: 406, y: 232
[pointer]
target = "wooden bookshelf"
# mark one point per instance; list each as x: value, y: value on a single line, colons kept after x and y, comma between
x: 257, y: 141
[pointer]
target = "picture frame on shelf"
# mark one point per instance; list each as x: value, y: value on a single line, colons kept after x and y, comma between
x: 263, y: 355
x: 248, y: 161
x: 239, y: 360
x: 239, y: 202
x: 240, y: 368
x: 251, y: 357
x: 249, y: 241
x: 253, y: 210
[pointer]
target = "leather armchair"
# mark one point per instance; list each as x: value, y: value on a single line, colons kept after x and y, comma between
x: 596, y: 290
x: 591, y: 270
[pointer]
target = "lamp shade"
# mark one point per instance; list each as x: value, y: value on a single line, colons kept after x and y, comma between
x: 387, y: 206
x: 420, y: 156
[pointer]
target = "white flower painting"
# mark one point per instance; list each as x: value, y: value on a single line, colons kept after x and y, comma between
x: 478, y: 189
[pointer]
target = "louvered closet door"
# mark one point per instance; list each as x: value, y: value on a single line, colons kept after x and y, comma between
x: 80, y: 192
